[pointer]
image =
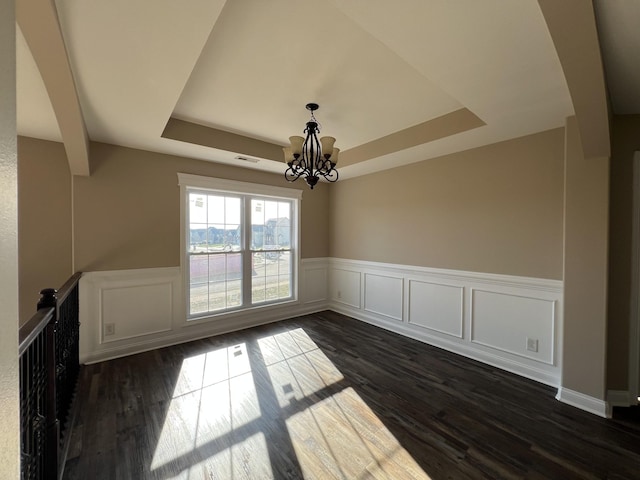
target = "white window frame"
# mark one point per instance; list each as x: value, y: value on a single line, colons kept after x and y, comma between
x: 189, y: 183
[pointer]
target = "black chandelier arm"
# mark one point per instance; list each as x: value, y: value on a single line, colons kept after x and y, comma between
x: 330, y: 176
x: 293, y: 173
x: 325, y: 165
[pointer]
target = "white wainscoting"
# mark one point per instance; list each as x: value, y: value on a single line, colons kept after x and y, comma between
x: 383, y: 295
x: 117, y: 309
x: 486, y: 317
x: 120, y: 310
x: 124, y: 312
x: 436, y: 306
x: 493, y: 325
x: 345, y: 287
x: 314, y: 281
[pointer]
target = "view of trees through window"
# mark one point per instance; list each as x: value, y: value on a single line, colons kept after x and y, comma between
x: 239, y: 251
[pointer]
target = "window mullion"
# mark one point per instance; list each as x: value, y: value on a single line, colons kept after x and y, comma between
x: 246, y: 249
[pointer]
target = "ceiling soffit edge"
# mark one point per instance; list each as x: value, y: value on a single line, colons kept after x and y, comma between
x: 452, y: 123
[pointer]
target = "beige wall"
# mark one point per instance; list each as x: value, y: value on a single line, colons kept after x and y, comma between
x: 9, y: 377
x: 127, y: 213
x: 585, y: 268
x: 44, y: 226
x: 625, y: 141
x: 494, y: 209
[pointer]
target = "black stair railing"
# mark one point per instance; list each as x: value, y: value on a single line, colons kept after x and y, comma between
x: 49, y: 369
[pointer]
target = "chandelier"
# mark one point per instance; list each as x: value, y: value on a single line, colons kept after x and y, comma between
x: 311, y: 157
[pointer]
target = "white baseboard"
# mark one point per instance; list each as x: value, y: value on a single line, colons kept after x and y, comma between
x: 466, y: 350
x: 152, y: 342
x: 584, y: 402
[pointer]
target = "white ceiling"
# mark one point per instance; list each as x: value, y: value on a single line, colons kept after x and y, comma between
x: 375, y: 67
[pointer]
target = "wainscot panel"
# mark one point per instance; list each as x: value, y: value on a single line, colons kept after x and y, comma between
x: 383, y: 295
x: 514, y: 323
x: 438, y: 307
x: 120, y: 318
x: 345, y: 287
x: 314, y: 281
x: 124, y: 312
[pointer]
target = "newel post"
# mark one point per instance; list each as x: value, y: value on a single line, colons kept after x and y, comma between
x: 49, y: 299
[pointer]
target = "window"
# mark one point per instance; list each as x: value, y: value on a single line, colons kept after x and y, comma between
x: 240, y: 244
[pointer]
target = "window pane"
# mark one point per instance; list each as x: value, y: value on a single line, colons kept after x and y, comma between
x: 198, y: 269
x: 284, y: 288
x: 234, y: 266
x: 271, y: 235
x: 197, y: 237
x: 217, y: 296
x: 217, y: 267
x: 197, y: 208
x: 224, y: 219
x: 215, y: 234
x: 215, y: 250
x: 257, y: 237
x: 216, y: 209
x: 272, y: 276
x: 284, y: 263
x: 257, y: 294
x: 270, y: 224
x: 233, y: 210
x: 232, y: 237
x: 257, y: 212
x: 234, y: 293
x: 198, y: 299
x: 271, y: 287
x: 225, y: 266
x: 198, y: 291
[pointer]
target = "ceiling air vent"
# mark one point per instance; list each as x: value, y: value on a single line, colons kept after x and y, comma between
x: 247, y: 159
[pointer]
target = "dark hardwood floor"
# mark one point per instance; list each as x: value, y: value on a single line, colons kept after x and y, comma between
x: 325, y: 396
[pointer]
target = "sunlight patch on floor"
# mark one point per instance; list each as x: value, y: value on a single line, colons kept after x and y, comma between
x: 340, y: 437
x: 297, y: 367
x: 214, y: 396
x: 217, y: 426
x: 246, y: 459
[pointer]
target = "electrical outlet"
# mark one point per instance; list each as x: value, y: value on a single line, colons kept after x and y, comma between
x: 532, y: 344
x: 109, y: 329
x: 339, y: 294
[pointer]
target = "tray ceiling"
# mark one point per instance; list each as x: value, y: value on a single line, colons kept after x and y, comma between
x: 397, y: 82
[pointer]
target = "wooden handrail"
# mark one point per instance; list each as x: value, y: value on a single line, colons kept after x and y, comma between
x: 36, y: 324
x: 49, y: 368
x: 67, y: 288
